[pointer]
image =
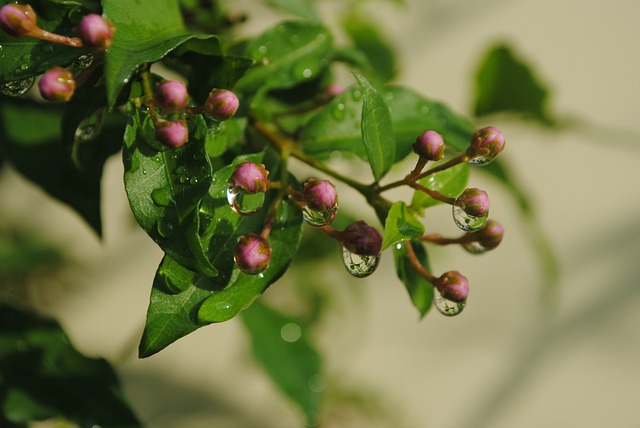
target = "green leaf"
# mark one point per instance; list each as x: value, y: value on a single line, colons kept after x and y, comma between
x: 505, y: 83
x: 213, y: 71
x: 280, y: 344
x: 450, y: 182
x: 23, y: 57
x: 367, y: 38
x: 30, y: 138
x: 377, y: 129
x: 42, y: 376
x: 420, y: 290
x: 337, y: 126
x: 286, y: 55
x: 302, y: 8
x: 183, y: 300
x: 146, y: 31
x: 399, y: 225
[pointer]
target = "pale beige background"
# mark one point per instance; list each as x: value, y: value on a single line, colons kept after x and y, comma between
x: 507, y: 361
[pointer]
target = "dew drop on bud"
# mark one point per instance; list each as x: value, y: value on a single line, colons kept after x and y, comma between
x: 475, y: 247
x: 447, y: 307
x: 466, y: 221
x: 244, y: 203
x: 319, y: 218
x: 359, y: 266
x: 480, y: 160
x: 15, y: 88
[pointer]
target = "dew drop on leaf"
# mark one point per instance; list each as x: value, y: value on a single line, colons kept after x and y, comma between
x: 468, y: 222
x: 15, y: 88
x: 162, y: 196
x: 447, y: 307
x: 243, y: 203
x: 89, y: 127
x: 338, y: 112
x: 357, y: 265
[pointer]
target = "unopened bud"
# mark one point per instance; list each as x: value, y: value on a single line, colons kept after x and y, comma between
x: 171, y: 95
x: 486, y: 144
x: 249, y: 177
x: 474, y: 202
x: 57, y: 85
x: 362, y: 239
x: 172, y: 134
x: 252, y: 254
x: 429, y: 146
x: 491, y: 235
x: 221, y: 104
x: 453, y: 286
x: 17, y: 19
x: 320, y: 194
x: 95, y: 31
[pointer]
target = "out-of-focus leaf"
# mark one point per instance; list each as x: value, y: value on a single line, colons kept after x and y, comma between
x: 420, y: 290
x: 367, y: 38
x: 505, y: 83
x: 21, y: 254
x: 377, y: 129
x: 399, y: 225
x: 43, y: 376
x: 281, y: 345
x: 302, y: 8
x: 286, y: 55
x: 450, y: 182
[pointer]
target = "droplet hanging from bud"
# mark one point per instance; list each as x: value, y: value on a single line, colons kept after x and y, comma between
x: 320, y: 202
x: 358, y: 265
x: 244, y: 203
x: 447, y: 307
x: 471, y: 209
x: 16, y: 88
x: 486, y: 144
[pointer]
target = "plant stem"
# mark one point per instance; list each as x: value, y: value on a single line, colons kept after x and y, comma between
x: 412, y: 177
x: 417, y: 266
x: 435, y: 195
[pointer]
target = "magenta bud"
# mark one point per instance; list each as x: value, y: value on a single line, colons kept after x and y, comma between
x: 491, y: 235
x: 95, y: 31
x: 486, y: 144
x: 57, y: 85
x: 252, y: 254
x: 320, y: 195
x: 453, y: 286
x: 334, y: 90
x: 171, y: 95
x: 474, y: 202
x: 221, y: 104
x: 17, y: 19
x: 172, y: 134
x: 429, y: 146
x: 362, y: 239
x: 249, y: 177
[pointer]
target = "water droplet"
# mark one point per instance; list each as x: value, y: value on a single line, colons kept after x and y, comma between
x: 89, y: 127
x: 388, y: 96
x: 193, y: 180
x: 162, y: 196
x: 321, y: 38
x: 165, y: 228
x: 356, y: 95
x: 281, y: 28
x: 295, y: 39
x: 311, y: 419
x: 183, y: 179
x: 357, y: 265
x: 306, y: 73
x: 465, y: 221
x: 24, y: 67
x: 424, y: 110
x: 338, y: 111
x: 290, y: 332
x: 83, y: 61
x: 317, y: 383
x: 474, y: 247
x: 26, y: 57
x: 243, y: 203
x: 15, y: 88
x: 481, y: 159
x: 262, y: 50
x: 144, y: 171
x: 319, y: 218
x: 447, y: 307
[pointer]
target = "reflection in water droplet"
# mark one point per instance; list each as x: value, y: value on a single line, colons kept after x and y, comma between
x: 338, y: 111
x: 290, y: 332
x: 165, y: 228
x: 319, y: 218
x: 83, y: 61
x: 357, y: 265
x: 162, y: 196
x: 474, y: 247
x: 243, y: 203
x: 481, y: 160
x: 90, y: 126
x: 15, y: 88
x: 445, y: 306
x: 465, y: 221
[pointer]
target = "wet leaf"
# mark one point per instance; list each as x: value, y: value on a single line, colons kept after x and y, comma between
x: 450, y: 182
x: 400, y: 224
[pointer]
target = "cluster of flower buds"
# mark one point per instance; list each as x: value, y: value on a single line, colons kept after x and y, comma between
x: 93, y: 31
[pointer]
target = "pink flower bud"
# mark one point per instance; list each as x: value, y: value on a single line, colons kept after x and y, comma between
x: 474, y: 202
x: 333, y: 90
x: 249, y: 177
x: 429, y: 146
x: 453, y: 286
x: 320, y: 195
x: 221, y: 104
x: 57, y: 85
x: 361, y: 239
x: 491, y: 235
x: 252, y: 254
x: 171, y: 95
x: 172, y: 134
x: 95, y: 31
x: 17, y: 19
x: 486, y: 144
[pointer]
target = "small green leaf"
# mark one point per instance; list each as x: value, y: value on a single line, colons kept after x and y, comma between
x: 420, y: 290
x: 42, y: 376
x: 399, y: 225
x: 367, y: 38
x: 505, y: 83
x: 286, y: 55
x: 450, y: 182
x: 302, y: 8
x: 281, y: 345
x: 377, y: 129
x: 146, y: 31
